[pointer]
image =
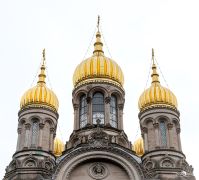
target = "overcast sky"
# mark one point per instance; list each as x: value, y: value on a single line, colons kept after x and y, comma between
x: 130, y: 29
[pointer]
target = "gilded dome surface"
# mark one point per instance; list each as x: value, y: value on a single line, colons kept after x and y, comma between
x: 98, y: 68
x: 58, y: 147
x: 138, y: 147
x: 40, y: 95
x: 157, y: 95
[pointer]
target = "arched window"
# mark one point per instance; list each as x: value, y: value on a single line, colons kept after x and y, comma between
x: 35, y: 132
x: 98, y: 107
x: 83, y: 111
x: 163, y: 132
x: 113, y: 112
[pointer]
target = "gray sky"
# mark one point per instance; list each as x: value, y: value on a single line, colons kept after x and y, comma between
x: 131, y: 28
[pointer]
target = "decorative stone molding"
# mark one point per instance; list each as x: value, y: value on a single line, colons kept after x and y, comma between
x: 41, y: 125
x: 169, y: 126
x: 144, y: 130
x: 27, y: 126
x: 120, y: 106
x: 19, y: 130
x: 98, y: 171
x: 109, y: 152
x: 167, y: 163
x: 75, y: 106
x: 88, y: 99
x: 52, y: 130
x: 178, y: 130
x: 148, y: 165
x: 107, y: 100
x: 156, y: 125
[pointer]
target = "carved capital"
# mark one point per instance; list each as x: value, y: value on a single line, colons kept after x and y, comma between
x: 170, y: 126
x: 27, y: 126
x: 120, y: 106
x: 41, y: 125
x: 75, y: 106
x: 107, y: 100
x: 19, y: 130
x: 144, y: 130
x: 178, y: 130
x: 88, y: 100
x: 52, y: 130
x: 156, y: 125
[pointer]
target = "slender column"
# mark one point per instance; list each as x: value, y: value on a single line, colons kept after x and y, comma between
x: 157, y: 138
x: 107, y: 110
x: 178, y: 130
x: 52, y: 135
x: 76, y: 116
x: 144, y: 136
x: 120, y: 116
x: 89, y: 110
x: 170, y: 127
x: 41, y: 126
x: 27, y: 135
x: 19, y: 130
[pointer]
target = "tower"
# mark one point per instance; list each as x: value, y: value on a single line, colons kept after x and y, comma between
x: 37, y: 124
x: 160, y: 127
x: 98, y: 147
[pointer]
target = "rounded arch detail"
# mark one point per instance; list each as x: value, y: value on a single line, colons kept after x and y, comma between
x: 65, y: 167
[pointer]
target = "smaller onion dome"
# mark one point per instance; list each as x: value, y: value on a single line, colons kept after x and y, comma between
x: 157, y: 95
x: 138, y: 146
x: 58, y: 147
x: 40, y: 95
x: 98, y: 68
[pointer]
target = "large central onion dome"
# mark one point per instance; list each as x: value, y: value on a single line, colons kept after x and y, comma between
x: 156, y: 95
x: 40, y: 95
x: 98, y: 68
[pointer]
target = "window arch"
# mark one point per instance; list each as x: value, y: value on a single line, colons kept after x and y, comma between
x: 35, y: 132
x: 83, y: 111
x: 163, y: 133
x: 98, y: 107
x: 113, y: 111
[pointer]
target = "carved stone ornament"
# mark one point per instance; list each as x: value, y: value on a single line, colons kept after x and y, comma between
x: 98, y: 171
x: 167, y: 163
x: 98, y: 138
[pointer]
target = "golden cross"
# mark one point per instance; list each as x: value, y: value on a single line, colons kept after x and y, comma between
x: 44, y: 55
x: 98, y: 21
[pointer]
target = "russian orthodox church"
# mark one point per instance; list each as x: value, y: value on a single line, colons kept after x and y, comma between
x: 98, y: 148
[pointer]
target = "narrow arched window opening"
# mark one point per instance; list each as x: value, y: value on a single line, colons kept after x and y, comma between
x: 35, y: 132
x: 98, y: 107
x: 163, y: 133
x: 113, y: 112
x: 83, y: 111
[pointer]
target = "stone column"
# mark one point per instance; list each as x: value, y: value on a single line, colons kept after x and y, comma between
x: 52, y: 135
x: 89, y: 110
x: 107, y: 111
x: 41, y: 126
x: 19, y: 139
x: 120, y: 116
x: 27, y: 135
x: 178, y: 130
x: 170, y: 127
x: 144, y: 136
x: 157, y: 137
x: 76, y: 116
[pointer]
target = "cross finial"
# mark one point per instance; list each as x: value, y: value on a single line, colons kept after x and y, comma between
x: 153, y: 56
x: 44, y: 55
x: 98, y: 22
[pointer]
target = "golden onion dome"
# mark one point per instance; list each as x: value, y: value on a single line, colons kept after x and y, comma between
x: 58, y: 147
x: 157, y: 95
x: 40, y: 95
x: 98, y: 68
x: 138, y: 146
